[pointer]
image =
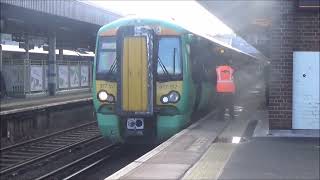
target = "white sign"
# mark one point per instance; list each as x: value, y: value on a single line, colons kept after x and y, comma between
x: 36, y: 78
x: 74, y: 76
x: 63, y: 76
x: 84, y: 75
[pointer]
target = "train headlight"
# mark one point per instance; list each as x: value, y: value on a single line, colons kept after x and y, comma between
x: 103, y: 96
x: 164, y: 99
x: 174, y: 96
x: 110, y: 98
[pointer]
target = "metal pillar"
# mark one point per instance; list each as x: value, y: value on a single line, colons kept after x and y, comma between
x: 27, y: 83
x: 60, y: 54
x: 52, y: 65
x: 0, y: 58
x: 26, y: 48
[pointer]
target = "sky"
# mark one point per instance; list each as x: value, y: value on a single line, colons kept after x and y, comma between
x: 188, y: 13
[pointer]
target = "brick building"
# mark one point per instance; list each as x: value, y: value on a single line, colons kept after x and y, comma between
x: 294, y: 28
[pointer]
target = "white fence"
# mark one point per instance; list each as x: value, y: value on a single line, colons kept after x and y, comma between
x: 23, y: 77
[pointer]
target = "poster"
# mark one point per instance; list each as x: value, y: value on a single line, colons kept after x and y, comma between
x: 84, y: 75
x: 74, y: 76
x: 36, y: 78
x: 13, y: 77
x: 63, y: 76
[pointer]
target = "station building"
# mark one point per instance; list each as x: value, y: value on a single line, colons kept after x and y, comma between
x: 288, y: 33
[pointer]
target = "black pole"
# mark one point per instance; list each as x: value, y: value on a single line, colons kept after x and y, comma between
x: 174, y: 60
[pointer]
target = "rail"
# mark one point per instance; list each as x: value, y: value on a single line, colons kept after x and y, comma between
x: 17, y: 156
x: 99, y: 155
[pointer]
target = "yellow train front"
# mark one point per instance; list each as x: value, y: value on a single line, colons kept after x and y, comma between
x: 143, y: 88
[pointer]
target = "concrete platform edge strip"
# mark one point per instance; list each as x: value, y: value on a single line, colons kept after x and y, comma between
x: 244, y: 134
x: 189, y: 173
x: 122, y: 172
x: 262, y: 130
x: 32, y: 108
x: 312, y: 133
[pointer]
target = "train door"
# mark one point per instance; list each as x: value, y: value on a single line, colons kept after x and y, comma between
x: 306, y: 104
x: 135, y: 85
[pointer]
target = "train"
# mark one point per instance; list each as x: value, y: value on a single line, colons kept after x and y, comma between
x: 150, y: 75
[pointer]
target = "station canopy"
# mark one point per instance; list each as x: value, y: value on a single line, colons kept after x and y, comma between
x: 190, y: 15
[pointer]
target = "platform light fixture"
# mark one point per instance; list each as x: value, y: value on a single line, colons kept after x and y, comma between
x: 236, y: 139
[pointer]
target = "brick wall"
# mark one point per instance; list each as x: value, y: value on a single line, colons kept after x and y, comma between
x: 291, y: 30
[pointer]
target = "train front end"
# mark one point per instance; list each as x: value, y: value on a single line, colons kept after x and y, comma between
x: 140, y: 93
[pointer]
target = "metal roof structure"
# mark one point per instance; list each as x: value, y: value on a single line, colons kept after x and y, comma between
x: 71, y: 9
x: 250, y: 19
x: 74, y: 23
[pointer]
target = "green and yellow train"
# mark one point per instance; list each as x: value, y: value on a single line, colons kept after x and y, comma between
x: 150, y: 75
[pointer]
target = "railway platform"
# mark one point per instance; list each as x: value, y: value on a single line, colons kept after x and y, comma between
x: 242, y: 148
x: 16, y: 105
x: 32, y: 117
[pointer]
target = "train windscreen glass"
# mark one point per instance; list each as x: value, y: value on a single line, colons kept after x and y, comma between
x: 106, y: 58
x: 169, y: 56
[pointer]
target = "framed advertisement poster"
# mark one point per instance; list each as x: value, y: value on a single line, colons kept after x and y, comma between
x: 74, y: 76
x: 63, y: 72
x: 45, y: 78
x: 84, y: 75
x: 36, y: 78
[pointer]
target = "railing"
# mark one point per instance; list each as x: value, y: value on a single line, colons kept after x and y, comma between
x: 26, y: 77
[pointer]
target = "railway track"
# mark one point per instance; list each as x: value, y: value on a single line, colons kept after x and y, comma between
x: 74, y: 169
x: 18, y: 156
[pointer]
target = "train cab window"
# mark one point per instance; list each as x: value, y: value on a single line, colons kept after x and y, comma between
x: 169, y: 54
x: 106, y: 55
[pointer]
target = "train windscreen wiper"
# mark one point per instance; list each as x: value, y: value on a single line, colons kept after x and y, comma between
x: 113, y: 66
x: 163, y: 67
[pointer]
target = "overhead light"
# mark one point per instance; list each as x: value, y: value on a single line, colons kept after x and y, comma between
x: 236, y: 139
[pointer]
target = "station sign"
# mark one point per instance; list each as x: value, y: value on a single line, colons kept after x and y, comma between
x: 22, y: 45
x: 35, y: 40
x: 18, y: 37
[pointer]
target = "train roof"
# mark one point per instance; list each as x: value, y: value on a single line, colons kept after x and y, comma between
x: 181, y: 28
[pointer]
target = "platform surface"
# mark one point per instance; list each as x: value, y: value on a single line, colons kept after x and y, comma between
x: 174, y: 157
x: 205, y: 151
x: 274, y: 158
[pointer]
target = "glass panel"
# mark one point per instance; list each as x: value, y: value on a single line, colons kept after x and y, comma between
x: 106, y: 59
x: 169, y: 54
x: 106, y: 54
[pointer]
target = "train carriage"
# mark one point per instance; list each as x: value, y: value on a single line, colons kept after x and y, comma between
x: 148, y: 80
